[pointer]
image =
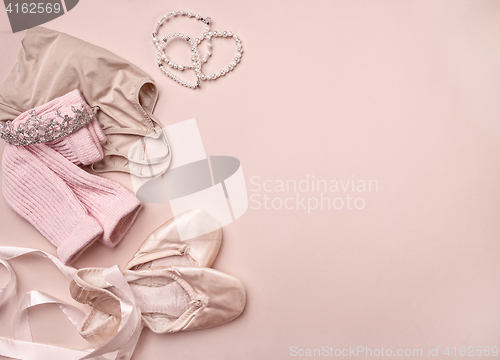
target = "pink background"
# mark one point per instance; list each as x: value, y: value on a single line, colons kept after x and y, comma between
x: 404, y: 92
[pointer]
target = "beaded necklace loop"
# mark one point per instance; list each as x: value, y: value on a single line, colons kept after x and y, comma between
x: 197, y: 62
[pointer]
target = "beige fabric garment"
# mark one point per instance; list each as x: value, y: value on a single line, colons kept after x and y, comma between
x: 50, y: 64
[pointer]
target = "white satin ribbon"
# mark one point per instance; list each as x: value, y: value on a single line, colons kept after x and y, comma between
x: 22, y: 328
x: 120, y: 347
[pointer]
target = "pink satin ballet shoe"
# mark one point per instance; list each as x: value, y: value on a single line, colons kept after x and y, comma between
x: 171, y: 299
x: 164, y: 246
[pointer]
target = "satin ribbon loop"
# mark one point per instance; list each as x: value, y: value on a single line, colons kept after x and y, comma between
x: 119, y: 347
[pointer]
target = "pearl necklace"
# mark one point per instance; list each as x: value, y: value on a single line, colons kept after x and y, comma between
x: 195, y: 56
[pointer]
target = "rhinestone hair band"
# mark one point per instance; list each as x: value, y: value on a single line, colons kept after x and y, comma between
x: 37, y: 129
x: 197, y: 61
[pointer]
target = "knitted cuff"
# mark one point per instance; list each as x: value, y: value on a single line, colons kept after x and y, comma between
x: 83, y: 235
x: 83, y: 147
x: 117, y: 217
x: 96, y: 131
